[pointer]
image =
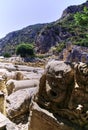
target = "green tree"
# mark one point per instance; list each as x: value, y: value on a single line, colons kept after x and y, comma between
x: 81, y: 18
x: 25, y: 50
x: 7, y: 55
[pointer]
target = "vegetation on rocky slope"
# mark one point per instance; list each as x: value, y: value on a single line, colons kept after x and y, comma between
x: 52, y: 35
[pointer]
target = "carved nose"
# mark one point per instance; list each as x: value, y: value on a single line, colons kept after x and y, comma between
x: 59, y: 76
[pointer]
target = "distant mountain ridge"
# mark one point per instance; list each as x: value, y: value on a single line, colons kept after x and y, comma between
x: 44, y: 36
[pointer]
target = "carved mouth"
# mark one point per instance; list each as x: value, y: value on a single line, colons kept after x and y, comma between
x: 53, y: 94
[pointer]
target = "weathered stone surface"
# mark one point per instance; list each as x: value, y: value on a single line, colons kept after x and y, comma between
x: 17, y: 75
x: 55, y: 89
x: 3, y: 86
x: 14, y: 85
x: 2, y: 102
x: 6, y: 124
x: 18, y: 103
x: 41, y: 119
x: 59, y: 95
x: 75, y: 54
x: 74, y: 9
x: 32, y: 75
x: 79, y: 97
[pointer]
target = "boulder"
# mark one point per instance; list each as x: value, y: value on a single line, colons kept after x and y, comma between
x: 6, y: 124
x: 41, y: 119
x: 18, y: 103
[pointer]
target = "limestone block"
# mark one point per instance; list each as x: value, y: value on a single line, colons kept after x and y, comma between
x: 14, y: 85
x: 31, y: 75
x: 17, y: 75
x: 40, y: 119
x: 18, y: 102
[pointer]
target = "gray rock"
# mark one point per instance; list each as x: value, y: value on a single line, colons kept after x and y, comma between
x: 18, y: 103
x: 6, y: 124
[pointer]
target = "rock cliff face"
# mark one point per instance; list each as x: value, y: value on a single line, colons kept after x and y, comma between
x: 47, y: 35
x: 73, y: 9
x: 62, y: 30
x: 26, y: 35
x: 50, y: 36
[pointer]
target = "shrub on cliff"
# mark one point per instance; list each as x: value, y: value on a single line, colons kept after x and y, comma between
x: 81, y: 18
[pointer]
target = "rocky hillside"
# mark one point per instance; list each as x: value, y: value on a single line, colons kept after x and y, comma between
x: 27, y: 35
x: 63, y: 31
x: 45, y: 36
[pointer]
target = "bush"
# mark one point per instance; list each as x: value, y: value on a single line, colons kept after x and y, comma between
x: 82, y: 18
x: 60, y: 47
x: 7, y: 55
x: 25, y: 50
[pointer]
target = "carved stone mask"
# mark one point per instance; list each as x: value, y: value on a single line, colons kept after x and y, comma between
x: 59, y: 76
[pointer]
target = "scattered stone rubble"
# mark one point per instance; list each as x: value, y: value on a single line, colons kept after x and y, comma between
x: 18, y: 84
x: 74, y: 53
x: 57, y: 99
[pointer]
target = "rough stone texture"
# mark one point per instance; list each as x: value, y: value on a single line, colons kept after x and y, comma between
x: 75, y: 54
x: 79, y: 98
x: 55, y: 89
x: 14, y: 85
x: 3, y: 86
x: 13, y: 75
x: 41, y: 119
x: 74, y: 9
x: 51, y: 36
x: 18, y: 103
x: 2, y: 102
x: 6, y: 124
x: 59, y: 94
x: 31, y: 75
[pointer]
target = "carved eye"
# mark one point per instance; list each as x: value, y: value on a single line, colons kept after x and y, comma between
x: 53, y: 83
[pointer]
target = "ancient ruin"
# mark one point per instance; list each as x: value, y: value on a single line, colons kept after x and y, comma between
x: 64, y: 101
x: 57, y: 100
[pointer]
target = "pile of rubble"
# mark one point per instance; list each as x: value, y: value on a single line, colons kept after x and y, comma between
x: 32, y: 98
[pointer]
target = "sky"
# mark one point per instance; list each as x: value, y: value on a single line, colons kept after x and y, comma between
x: 17, y: 14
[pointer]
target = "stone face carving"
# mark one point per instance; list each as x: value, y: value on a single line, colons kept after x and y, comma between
x: 56, y: 85
x: 58, y: 94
